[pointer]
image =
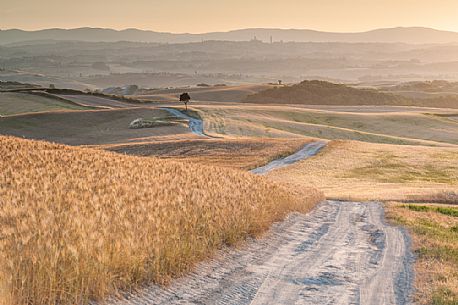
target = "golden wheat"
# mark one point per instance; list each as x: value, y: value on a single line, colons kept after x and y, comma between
x: 77, y: 224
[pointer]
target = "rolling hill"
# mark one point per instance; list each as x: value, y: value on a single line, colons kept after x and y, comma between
x: 317, y: 92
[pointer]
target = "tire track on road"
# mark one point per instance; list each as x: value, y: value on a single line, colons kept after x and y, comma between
x: 340, y: 253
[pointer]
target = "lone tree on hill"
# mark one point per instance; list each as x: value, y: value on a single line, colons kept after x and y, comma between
x: 185, y: 98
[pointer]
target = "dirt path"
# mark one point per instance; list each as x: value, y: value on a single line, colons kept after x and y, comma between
x: 341, y: 253
x: 195, y: 125
x: 307, y: 151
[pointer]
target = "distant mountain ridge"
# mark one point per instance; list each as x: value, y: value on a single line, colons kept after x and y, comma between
x: 412, y: 35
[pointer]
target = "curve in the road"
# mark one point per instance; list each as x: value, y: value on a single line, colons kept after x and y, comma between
x: 340, y: 253
x: 195, y: 125
x: 309, y: 150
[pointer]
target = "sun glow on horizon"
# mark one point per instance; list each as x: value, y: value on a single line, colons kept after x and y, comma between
x: 201, y: 16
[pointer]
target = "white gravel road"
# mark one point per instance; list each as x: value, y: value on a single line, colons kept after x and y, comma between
x: 309, y: 150
x: 195, y: 125
x: 341, y: 253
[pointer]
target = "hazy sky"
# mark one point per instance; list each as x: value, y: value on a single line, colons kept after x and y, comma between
x: 197, y: 16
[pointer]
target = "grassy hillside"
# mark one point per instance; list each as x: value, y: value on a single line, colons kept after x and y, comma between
x: 289, y: 121
x: 241, y: 153
x: 91, y: 127
x: 358, y: 171
x: 17, y: 103
x: 9, y: 85
x: 78, y: 224
x: 435, y: 86
x: 434, y: 231
x: 212, y: 93
x: 325, y: 93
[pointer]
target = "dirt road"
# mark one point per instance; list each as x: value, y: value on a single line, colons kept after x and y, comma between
x: 195, y: 125
x: 341, y: 253
x: 307, y: 151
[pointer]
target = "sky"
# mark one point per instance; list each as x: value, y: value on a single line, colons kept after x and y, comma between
x: 198, y: 16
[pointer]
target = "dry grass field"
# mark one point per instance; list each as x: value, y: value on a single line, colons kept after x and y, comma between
x: 215, y: 94
x: 353, y: 170
x: 378, y: 109
x: 78, y: 224
x: 17, y: 103
x: 93, y: 127
x: 237, y: 153
x: 289, y: 121
x: 95, y: 101
x: 434, y: 230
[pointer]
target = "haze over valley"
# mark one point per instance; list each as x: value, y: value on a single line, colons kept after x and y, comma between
x: 97, y: 58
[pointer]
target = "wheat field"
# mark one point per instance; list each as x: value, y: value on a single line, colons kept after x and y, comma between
x: 78, y: 224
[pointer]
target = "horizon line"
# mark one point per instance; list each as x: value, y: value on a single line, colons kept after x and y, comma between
x: 228, y: 31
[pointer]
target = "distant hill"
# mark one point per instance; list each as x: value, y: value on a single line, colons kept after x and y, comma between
x: 325, y: 93
x: 414, y: 35
x: 435, y: 86
x: 317, y: 92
